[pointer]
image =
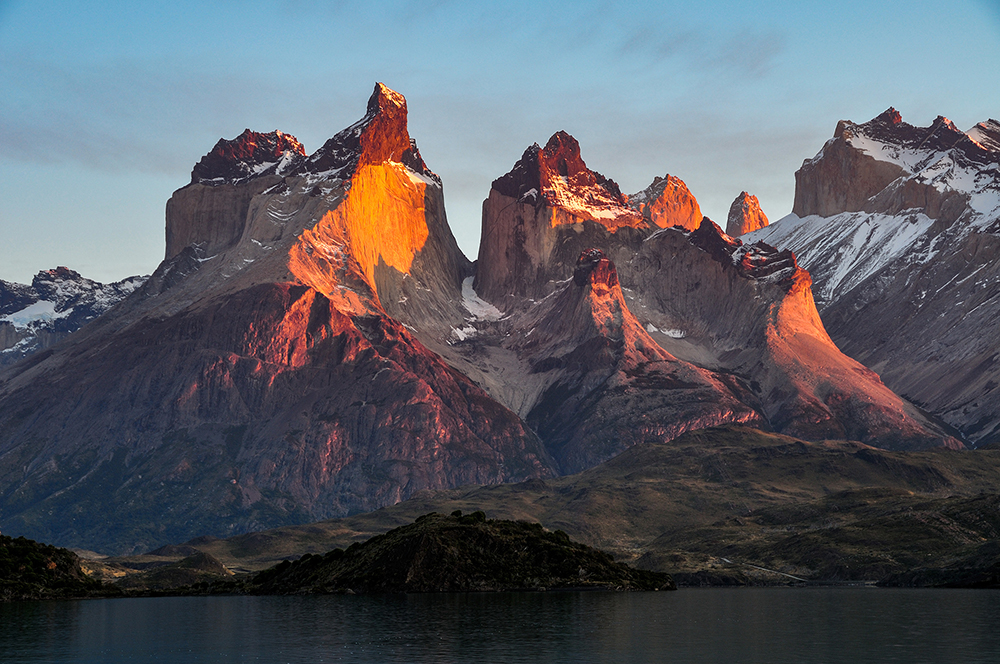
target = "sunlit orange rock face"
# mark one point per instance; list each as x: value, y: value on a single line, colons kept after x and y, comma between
x: 745, y: 216
x: 668, y: 202
x: 381, y: 220
x: 540, y: 215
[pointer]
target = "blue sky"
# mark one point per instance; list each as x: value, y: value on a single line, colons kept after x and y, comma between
x: 106, y: 106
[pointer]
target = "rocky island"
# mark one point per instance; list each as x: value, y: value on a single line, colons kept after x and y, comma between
x: 457, y: 553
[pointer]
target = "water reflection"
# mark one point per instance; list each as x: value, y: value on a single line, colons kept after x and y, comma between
x: 743, y: 625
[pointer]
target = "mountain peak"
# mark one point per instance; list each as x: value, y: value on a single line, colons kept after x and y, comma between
x: 249, y: 155
x: 745, y: 215
x: 380, y: 136
x: 668, y: 202
x: 889, y: 116
x: 382, y: 97
x: 557, y: 175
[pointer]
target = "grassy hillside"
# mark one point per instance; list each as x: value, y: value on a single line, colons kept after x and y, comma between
x: 829, y: 511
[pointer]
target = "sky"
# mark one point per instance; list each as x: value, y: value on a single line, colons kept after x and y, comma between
x: 105, y: 107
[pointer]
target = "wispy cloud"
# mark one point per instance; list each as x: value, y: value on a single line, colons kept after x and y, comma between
x: 751, y: 53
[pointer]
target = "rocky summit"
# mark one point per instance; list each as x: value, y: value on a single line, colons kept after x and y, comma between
x: 314, y: 345
x: 898, y: 226
x: 745, y: 216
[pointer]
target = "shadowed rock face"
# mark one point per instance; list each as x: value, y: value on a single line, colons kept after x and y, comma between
x: 608, y: 385
x: 263, y: 375
x: 749, y: 309
x: 898, y: 226
x: 745, y: 216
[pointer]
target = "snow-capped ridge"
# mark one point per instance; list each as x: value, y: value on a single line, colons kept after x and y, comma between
x: 57, y: 303
x: 249, y: 155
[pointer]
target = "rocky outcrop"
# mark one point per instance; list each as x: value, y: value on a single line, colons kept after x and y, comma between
x: 668, y: 202
x: 541, y: 215
x: 457, y: 553
x: 745, y: 216
x: 57, y: 303
x: 897, y: 225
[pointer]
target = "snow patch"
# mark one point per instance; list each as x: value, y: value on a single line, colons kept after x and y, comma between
x: 479, y: 308
x: 461, y: 334
x: 674, y: 334
x: 42, y: 310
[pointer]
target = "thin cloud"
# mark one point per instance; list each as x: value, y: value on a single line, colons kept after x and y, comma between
x: 751, y: 53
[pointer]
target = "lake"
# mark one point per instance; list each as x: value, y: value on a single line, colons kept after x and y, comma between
x: 773, y: 625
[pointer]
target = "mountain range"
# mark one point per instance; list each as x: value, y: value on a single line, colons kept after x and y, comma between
x: 898, y: 226
x: 314, y: 344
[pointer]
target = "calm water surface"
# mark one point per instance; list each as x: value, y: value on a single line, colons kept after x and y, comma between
x: 772, y: 625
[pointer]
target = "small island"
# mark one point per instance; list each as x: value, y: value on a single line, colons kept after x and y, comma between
x: 456, y: 553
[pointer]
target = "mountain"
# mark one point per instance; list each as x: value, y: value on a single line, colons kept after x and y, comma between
x: 266, y: 372
x: 314, y: 344
x: 745, y: 216
x: 706, y: 325
x: 898, y: 226
x: 57, y: 303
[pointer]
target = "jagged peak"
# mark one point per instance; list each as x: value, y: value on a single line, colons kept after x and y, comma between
x: 889, y: 116
x: 888, y: 127
x: 557, y: 176
x: 249, y: 155
x: 522, y: 181
x: 758, y: 261
x: 745, y: 215
x: 986, y: 135
x: 667, y: 202
x: 60, y: 273
x: 380, y: 136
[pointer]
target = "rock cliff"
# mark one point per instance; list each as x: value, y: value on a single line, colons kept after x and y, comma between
x: 541, y: 215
